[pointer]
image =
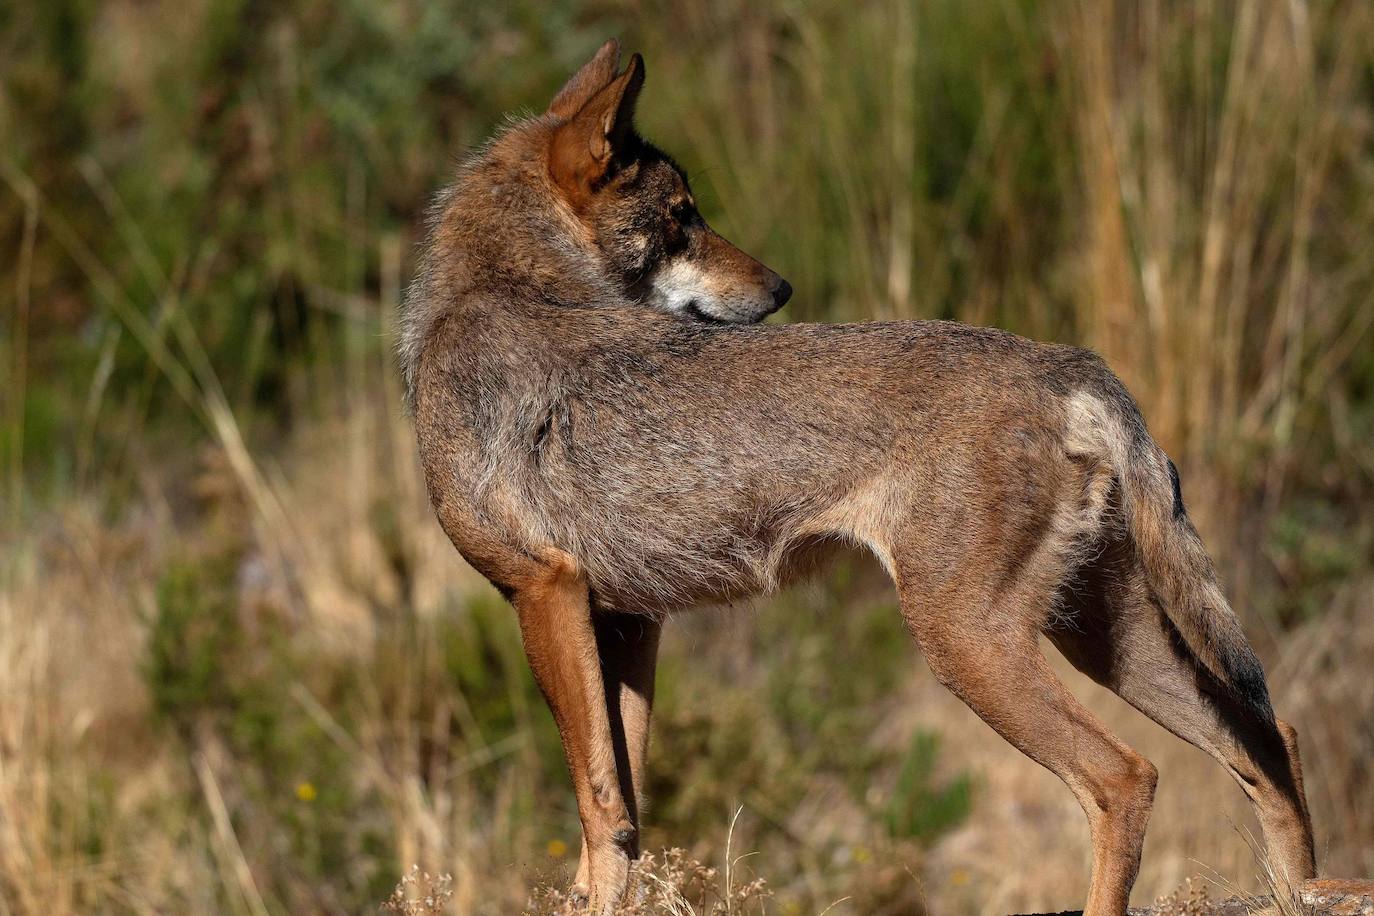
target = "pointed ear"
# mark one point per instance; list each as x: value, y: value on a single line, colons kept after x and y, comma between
x: 588, y: 81
x: 583, y: 148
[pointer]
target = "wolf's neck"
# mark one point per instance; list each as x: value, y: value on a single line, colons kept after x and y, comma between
x: 525, y: 250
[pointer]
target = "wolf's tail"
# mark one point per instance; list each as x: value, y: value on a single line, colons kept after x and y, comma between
x: 1181, y: 576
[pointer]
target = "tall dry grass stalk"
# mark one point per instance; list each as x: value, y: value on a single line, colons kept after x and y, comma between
x: 1202, y: 191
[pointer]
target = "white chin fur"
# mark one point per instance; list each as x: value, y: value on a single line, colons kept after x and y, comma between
x: 679, y: 286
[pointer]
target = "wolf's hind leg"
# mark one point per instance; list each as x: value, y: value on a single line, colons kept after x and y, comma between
x: 560, y: 642
x: 628, y: 646
x: 987, y: 653
x: 1117, y: 636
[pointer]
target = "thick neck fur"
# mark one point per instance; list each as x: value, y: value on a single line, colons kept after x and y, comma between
x: 503, y: 237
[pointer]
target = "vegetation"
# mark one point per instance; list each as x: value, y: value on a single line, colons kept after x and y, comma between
x: 242, y: 671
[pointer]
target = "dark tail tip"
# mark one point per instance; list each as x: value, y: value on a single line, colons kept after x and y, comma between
x: 1247, y: 680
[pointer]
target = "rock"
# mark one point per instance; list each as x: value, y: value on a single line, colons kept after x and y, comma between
x: 1339, y: 896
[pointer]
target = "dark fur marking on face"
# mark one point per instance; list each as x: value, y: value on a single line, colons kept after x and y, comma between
x: 632, y: 215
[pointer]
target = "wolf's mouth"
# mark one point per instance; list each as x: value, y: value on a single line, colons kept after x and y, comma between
x: 693, y: 308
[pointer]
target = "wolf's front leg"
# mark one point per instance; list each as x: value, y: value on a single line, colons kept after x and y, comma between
x: 628, y: 647
x: 560, y: 642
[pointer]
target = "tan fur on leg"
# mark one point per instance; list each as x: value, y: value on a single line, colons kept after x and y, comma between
x: 628, y: 645
x: 999, y: 671
x: 1121, y: 640
x: 560, y: 641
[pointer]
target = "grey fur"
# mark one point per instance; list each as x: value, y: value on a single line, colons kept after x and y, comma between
x: 602, y: 457
x: 683, y: 463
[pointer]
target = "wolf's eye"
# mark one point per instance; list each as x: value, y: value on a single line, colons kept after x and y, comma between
x: 682, y: 212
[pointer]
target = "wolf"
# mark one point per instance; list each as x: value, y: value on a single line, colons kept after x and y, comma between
x: 610, y: 435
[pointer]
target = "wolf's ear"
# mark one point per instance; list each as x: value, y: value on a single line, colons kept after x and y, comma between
x: 583, y: 148
x: 586, y: 82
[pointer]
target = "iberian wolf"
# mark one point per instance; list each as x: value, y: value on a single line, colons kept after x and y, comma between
x: 610, y: 436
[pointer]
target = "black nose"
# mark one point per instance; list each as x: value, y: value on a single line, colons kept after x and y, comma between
x: 781, y: 293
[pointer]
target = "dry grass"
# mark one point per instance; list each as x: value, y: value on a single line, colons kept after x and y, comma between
x: 105, y: 809
x: 671, y: 883
x: 1189, y: 899
x: 419, y: 893
x: 251, y: 677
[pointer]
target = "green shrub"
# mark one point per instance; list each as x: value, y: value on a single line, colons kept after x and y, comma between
x: 917, y: 808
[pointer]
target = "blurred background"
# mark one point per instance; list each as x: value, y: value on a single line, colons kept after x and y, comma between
x: 241, y: 669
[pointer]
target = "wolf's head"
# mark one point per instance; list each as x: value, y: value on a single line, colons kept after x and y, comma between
x: 635, y: 203
x: 574, y: 208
